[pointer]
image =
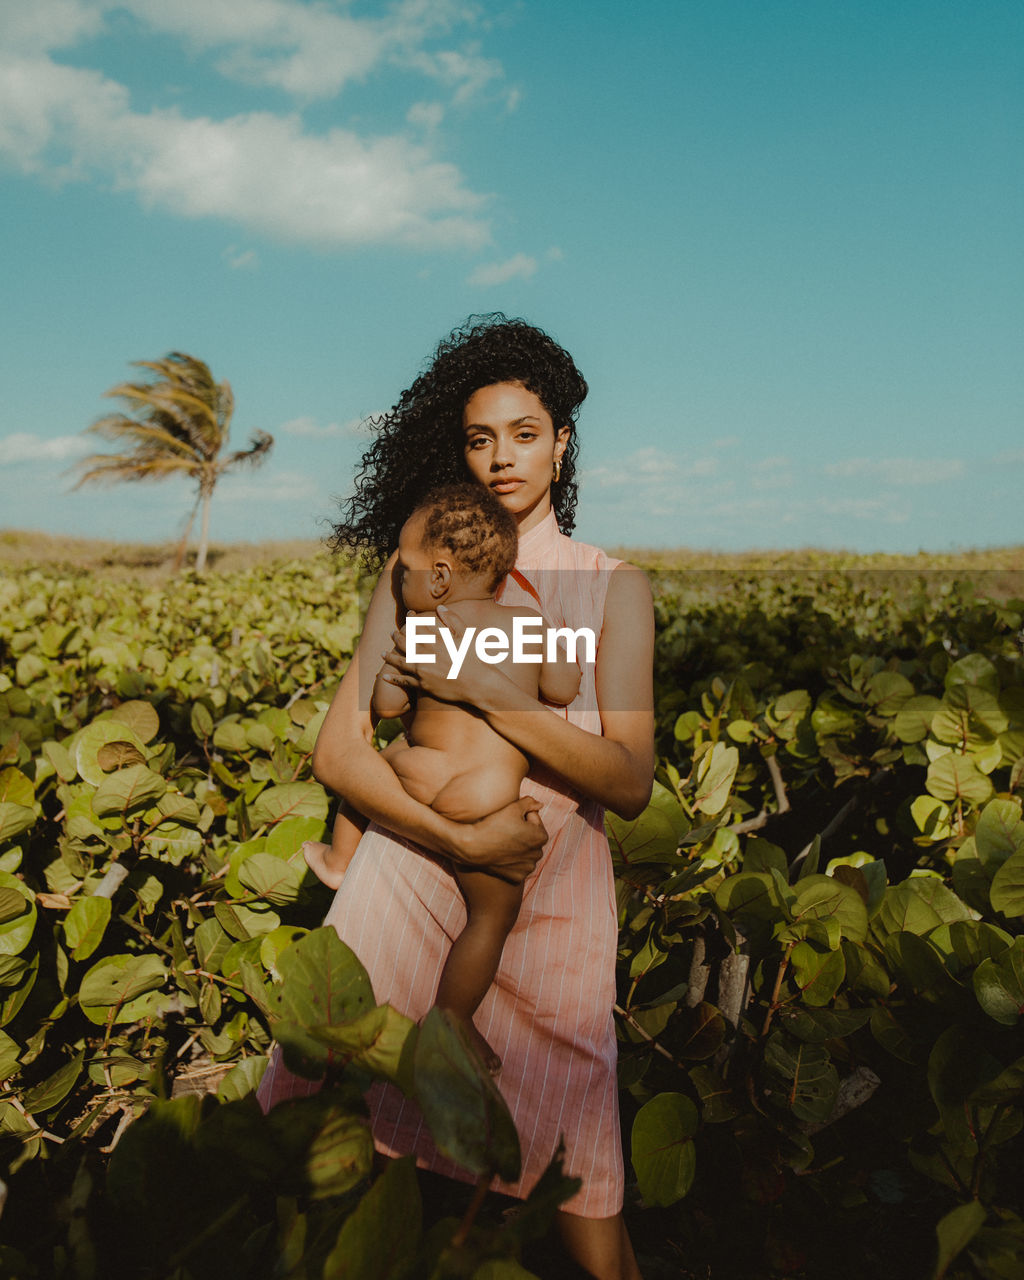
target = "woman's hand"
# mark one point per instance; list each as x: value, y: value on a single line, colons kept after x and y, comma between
x: 507, y: 843
x: 464, y: 679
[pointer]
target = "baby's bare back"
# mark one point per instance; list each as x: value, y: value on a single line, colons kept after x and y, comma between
x: 451, y: 758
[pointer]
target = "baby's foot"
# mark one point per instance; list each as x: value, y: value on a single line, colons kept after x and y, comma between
x: 318, y: 859
x: 490, y: 1060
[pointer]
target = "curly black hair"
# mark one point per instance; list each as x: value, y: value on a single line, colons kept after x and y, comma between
x: 470, y: 523
x: 419, y: 443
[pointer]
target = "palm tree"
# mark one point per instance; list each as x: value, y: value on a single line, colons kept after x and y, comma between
x: 177, y: 424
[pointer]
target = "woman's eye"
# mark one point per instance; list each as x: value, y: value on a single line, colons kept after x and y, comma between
x: 477, y: 442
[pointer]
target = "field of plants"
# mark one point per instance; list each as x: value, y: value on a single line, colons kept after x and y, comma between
x: 821, y: 964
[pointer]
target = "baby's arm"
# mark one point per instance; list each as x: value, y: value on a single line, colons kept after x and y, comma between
x: 388, y: 701
x: 560, y: 680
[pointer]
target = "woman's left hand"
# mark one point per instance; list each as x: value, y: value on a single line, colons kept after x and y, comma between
x: 464, y: 678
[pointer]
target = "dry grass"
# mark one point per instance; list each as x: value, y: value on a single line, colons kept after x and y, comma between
x: 20, y: 549
x: 140, y: 559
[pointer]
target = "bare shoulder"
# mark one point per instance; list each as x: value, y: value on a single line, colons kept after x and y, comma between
x: 629, y: 587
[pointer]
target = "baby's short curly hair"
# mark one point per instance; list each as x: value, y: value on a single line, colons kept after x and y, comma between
x: 468, y: 521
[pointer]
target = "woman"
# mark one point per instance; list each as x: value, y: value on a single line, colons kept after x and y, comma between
x: 498, y: 405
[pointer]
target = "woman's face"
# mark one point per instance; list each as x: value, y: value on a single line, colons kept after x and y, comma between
x: 510, y: 446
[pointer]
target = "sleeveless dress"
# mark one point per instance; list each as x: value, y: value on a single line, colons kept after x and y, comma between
x: 548, y: 1015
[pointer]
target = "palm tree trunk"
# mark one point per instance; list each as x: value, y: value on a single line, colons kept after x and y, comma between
x: 179, y: 555
x: 204, y: 529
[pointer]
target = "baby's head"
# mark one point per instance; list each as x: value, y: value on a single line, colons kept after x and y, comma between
x: 461, y: 537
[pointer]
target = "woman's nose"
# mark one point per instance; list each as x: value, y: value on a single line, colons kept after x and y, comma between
x: 502, y: 456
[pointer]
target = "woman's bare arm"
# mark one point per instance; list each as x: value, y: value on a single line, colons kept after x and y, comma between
x: 617, y: 769
x: 508, y: 842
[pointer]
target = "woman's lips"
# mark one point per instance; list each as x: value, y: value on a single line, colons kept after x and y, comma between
x: 508, y: 485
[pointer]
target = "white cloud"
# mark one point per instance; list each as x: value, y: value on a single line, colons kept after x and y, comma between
x: 47, y: 24
x: 241, y: 259
x: 650, y: 469
x: 519, y: 267
x: 897, y: 471
x: 21, y: 446
x: 312, y: 51
x: 425, y: 115
x: 268, y: 486
x: 309, y: 427
x: 266, y: 172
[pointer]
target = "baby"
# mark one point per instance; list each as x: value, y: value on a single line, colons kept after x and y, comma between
x: 455, y: 550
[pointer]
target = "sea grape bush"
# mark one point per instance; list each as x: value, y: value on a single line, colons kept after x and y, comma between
x: 821, y: 957
x: 821, y: 913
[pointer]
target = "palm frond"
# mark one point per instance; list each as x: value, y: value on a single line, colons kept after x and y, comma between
x: 108, y: 468
x: 260, y: 445
x: 119, y: 427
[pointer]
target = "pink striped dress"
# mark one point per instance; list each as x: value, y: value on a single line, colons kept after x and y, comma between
x: 548, y: 1014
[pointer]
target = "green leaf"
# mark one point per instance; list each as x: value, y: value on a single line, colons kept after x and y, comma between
x: 140, y: 716
x: 821, y: 897
x: 999, y: 833
x: 810, y: 1082
x: 717, y: 1100
x: 16, y: 788
x: 751, y: 893
x: 652, y: 837
x: 380, y: 1238
x: 14, y: 819
x: 819, y: 974
x: 243, y: 922
x: 954, y: 777
x: 932, y: 817
x: 243, y: 1079
x: 888, y: 692
x: 468, y: 1117
x: 52, y: 1091
x: 289, y: 800
x: 117, y: 980
x: 286, y: 839
x: 132, y: 788
x: 16, y: 933
x: 322, y: 984
x: 761, y: 855
x: 715, y: 775
x: 96, y: 735
x: 273, y: 943
x: 201, y: 720
x: 1007, y: 892
x: 271, y: 878
x: 930, y: 888
x: 376, y: 1041
x: 12, y: 904
x: 974, y: 669
x: 904, y: 911
x: 914, y: 718
x: 818, y: 1025
x: 84, y: 925
x: 999, y: 985
x: 179, y: 809
x: 955, y: 1231
x: 334, y: 1148
x: 663, y: 1155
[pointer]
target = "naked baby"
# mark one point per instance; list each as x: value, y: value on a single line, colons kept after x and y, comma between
x: 454, y: 551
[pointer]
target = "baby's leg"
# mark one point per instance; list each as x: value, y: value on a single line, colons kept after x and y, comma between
x: 329, y: 862
x: 492, y: 906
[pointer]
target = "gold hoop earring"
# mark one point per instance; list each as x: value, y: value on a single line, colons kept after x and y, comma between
x: 558, y: 470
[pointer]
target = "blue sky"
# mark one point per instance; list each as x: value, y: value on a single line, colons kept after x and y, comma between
x: 783, y: 242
